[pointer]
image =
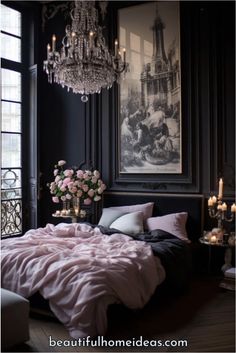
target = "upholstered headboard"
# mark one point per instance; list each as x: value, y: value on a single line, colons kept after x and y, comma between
x: 165, y: 204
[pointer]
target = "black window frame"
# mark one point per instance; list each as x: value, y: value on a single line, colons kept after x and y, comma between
x: 23, y: 68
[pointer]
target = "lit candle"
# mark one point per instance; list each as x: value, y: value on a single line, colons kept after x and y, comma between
x: 124, y: 55
x: 219, y: 207
x: 233, y: 208
x: 53, y: 42
x: 213, y: 239
x: 210, y: 202
x: 48, y: 50
x: 91, y: 39
x: 58, y: 213
x: 220, y: 196
x: 214, y: 199
x: 73, y: 39
x: 116, y: 47
x: 224, y: 207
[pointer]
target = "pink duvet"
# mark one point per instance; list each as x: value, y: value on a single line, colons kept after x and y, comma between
x: 81, y: 271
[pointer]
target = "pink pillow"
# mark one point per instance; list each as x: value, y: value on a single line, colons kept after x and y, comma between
x: 173, y: 223
x: 145, y: 208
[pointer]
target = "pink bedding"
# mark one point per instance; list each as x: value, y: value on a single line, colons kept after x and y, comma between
x: 81, y: 271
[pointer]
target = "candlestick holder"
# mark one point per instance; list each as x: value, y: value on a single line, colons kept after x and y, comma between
x: 218, y: 210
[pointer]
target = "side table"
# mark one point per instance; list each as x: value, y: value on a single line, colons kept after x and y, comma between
x: 227, y: 257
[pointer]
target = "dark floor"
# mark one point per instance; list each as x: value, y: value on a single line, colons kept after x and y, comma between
x: 204, y: 316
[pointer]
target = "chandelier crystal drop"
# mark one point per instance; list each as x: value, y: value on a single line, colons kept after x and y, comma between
x: 84, y: 63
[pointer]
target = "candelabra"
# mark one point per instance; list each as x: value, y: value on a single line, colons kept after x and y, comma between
x: 218, y: 209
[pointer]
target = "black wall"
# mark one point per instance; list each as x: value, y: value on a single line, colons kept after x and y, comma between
x: 87, y: 133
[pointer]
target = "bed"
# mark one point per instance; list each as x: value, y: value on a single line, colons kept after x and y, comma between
x: 81, y: 268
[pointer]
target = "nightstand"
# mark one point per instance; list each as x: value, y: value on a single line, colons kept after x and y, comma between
x: 228, y: 253
x: 81, y: 217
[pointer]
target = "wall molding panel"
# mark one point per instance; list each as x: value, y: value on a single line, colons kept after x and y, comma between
x: 88, y: 133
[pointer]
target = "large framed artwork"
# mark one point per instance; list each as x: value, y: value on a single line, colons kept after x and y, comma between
x: 150, y: 95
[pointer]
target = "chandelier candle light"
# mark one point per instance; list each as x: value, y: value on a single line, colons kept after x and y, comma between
x: 84, y: 63
x: 218, y: 209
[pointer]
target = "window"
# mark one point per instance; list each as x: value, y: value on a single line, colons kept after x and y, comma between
x: 11, y: 122
x: 10, y: 34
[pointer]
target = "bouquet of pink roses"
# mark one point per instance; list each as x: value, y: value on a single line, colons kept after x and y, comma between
x: 85, y: 185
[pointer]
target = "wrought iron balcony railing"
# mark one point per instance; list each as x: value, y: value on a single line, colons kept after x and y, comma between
x: 11, y: 203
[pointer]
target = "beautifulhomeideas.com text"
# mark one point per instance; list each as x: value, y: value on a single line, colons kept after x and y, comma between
x: 100, y: 341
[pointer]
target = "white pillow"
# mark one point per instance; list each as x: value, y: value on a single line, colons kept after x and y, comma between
x: 109, y: 215
x: 146, y: 209
x: 130, y: 223
x: 173, y: 223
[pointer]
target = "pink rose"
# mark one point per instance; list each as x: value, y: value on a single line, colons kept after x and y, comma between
x: 91, y: 192
x: 55, y: 172
x: 68, y: 196
x: 68, y: 172
x: 87, y: 201
x: 57, y: 179
x: 52, y: 186
x: 61, y: 163
x: 59, y: 184
x: 80, y: 174
x: 103, y: 186
x: 97, y: 198
x: 66, y: 181
x: 94, y: 180
x: 63, y: 198
x: 79, y: 193
x: 86, y: 176
x: 100, y: 190
x: 85, y: 187
x: 55, y: 199
x: 96, y: 174
x: 63, y: 189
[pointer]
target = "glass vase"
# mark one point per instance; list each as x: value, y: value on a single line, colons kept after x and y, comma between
x: 76, y: 205
x: 65, y: 207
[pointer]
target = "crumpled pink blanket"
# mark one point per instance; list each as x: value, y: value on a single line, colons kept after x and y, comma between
x: 81, y: 271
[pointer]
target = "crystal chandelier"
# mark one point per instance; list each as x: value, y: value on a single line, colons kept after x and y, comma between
x: 84, y: 63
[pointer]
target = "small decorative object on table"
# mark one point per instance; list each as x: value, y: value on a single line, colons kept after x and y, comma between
x: 74, y: 212
x: 217, y: 209
x: 74, y: 188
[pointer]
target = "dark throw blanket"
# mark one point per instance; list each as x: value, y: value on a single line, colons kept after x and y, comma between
x: 174, y: 253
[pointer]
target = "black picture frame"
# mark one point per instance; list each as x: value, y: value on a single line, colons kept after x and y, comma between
x: 188, y: 180
x: 150, y: 95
